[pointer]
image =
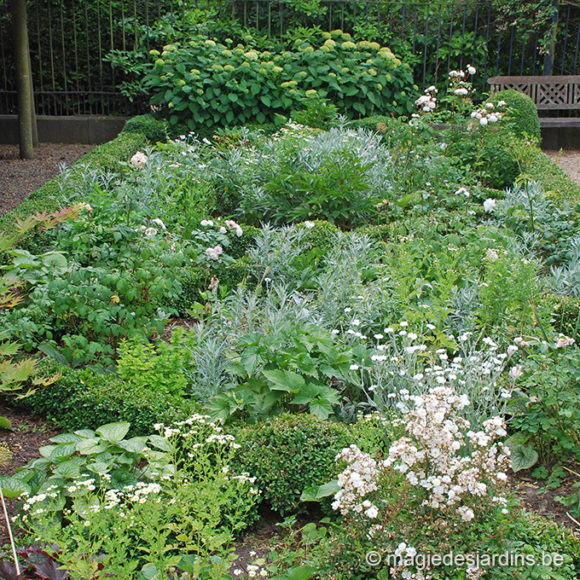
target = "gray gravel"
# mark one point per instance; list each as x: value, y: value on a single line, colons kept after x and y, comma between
x: 20, y: 177
x: 569, y: 161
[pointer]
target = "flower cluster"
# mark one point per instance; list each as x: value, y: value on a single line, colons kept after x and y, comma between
x: 188, y: 427
x: 138, y: 160
x: 428, y: 101
x: 215, y: 252
x: 489, y: 205
x: 253, y: 570
x: 488, y: 114
x: 356, y: 481
x: 564, y: 341
x: 453, y: 468
x: 234, y: 226
x: 150, y: 231
x: 402, y: 364
x: 459, y: 84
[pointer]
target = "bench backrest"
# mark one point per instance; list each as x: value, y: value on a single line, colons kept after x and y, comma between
x: 549, y: 92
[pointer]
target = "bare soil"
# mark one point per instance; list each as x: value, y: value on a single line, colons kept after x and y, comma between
x: 28, y: 435
x: 537, y: 498
x: 20, y: 177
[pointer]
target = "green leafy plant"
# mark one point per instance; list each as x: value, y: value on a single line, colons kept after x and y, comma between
x: 203, y: 83
x: 318, y: 113
x: 338, y: 176
x: 548, y: 421
x: 291, y: 453
x: 298, y: 368
x: 158, y: 368
x: 16, y: 373
x: 104, y: 456
x: 177, y: 513
x: 85, y: 398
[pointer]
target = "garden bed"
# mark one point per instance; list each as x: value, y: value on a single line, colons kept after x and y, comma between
x: 219, y: 318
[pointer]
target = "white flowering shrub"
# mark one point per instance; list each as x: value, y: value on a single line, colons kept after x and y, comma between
x: 402, y: 364
x: 437, y: 480
x: 489, y: 113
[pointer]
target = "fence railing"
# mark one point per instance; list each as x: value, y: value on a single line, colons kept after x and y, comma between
x: 70, y: 40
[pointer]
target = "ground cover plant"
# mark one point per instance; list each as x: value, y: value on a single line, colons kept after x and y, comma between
x: 370, y: 324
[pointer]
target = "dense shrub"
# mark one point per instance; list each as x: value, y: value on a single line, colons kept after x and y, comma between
x: 488, y: 151
x: 153, y: 129
x: 523, y: 112
x: 290, y: 453
x: 154, y: 367
x: 203, y: 83
x: 240, y: 245
x: 338, y: 176
x: 85, y: 399
x: 320, y: 236
x: 318, y: 113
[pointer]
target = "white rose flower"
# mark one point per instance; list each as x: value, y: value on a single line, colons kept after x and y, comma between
x: 489, y: 205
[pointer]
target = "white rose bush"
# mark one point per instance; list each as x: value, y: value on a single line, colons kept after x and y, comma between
x: 437, y: 480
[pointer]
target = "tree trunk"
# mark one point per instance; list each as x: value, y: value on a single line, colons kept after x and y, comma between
x: 24, y: 79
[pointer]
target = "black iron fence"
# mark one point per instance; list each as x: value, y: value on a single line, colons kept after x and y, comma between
x: 70, y: 40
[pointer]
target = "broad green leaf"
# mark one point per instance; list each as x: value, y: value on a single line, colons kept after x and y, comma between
x: 51, y: 351
x: 100, y: 467
x: 406, y: 200
x: 91, y: 446
x: 317, y: 492
x: 114, y: 432
x: 150, y: 572
x: 134, y: 445
x: 307, y: 394
x: 13, y: 487
x: 46, y: 450
x: 283, y: 380
x: 65, y: 438
x: 85, y: 433
x: 523, y: 457
x: 221, y: 407
x: 5, y: 423
x: 70, y: 469
x: 321, y: 408
x: 159, y: 442
x: 54, y: 260
x: 62, y: 451
x: 249, y: 360
x: 121, y: 478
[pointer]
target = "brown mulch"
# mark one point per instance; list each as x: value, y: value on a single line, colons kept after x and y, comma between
x: 569, y: 161
x: 29, y: 434
x: 20, y: 177
x: 539, y: 499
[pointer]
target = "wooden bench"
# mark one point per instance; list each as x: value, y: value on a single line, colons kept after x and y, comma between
x: 549, y: 93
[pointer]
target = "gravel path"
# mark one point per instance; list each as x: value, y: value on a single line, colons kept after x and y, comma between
x: 569, y: 161
x: 20, y: 177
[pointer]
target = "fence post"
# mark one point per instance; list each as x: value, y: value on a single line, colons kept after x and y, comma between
x: 549, y: 57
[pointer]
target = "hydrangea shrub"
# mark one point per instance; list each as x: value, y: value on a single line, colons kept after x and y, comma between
x: 202, y: 83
